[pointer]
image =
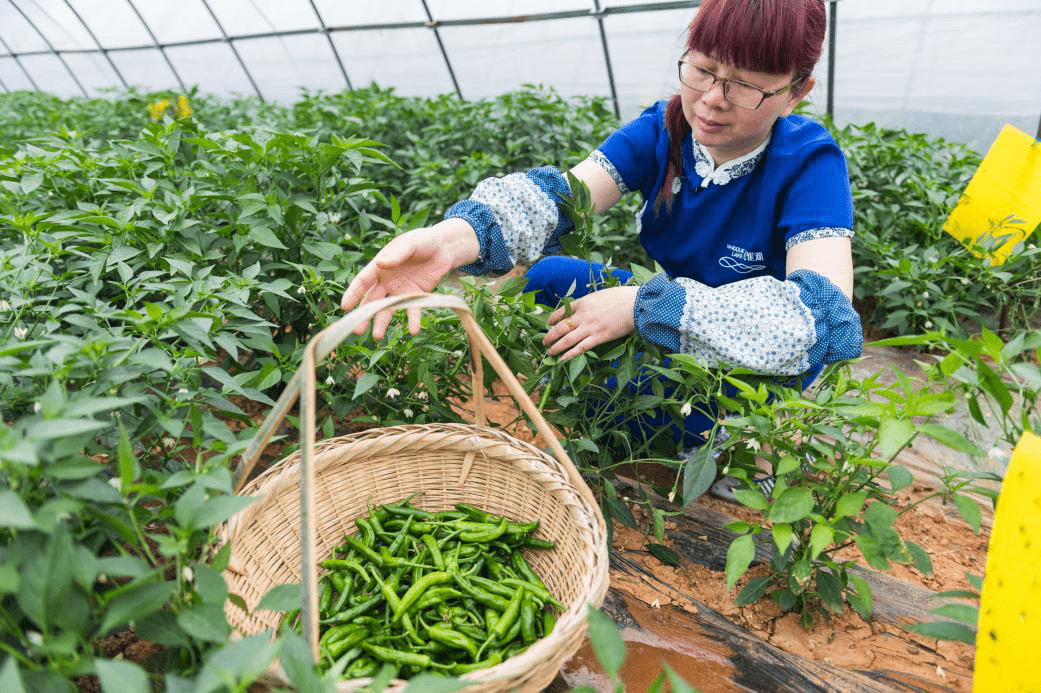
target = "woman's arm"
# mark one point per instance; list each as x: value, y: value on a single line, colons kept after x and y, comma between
x: 779, y: 327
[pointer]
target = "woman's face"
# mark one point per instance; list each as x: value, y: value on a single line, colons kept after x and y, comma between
x: 729, y: 131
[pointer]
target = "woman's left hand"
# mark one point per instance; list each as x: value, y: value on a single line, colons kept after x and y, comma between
x: 597, y: 317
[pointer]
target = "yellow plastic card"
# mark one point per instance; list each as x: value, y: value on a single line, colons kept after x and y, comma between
x: 1001, y: 205
x: 1008, y: 644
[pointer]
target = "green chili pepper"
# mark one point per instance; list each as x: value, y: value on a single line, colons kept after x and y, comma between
x: 416, y: 591
x: 492, y: 659
x: 527, y: 619
x: 362, y: 667
x: 350, y: 614
x: 478, y: 595
x: 399, y: 657
x: 535, y: 543
x: 537, y: 590
x: 359, y: 546
x: 446, y: 635
x: 483, y: 536
x: 435, y: 551
x: 337, y: 640
x: 548, y: 621
x: 408, y: 511
x: 433, y: 597
x: 474, y: 512
x: 522, y: 567
x: 509, y: 615
x: 368, y: 534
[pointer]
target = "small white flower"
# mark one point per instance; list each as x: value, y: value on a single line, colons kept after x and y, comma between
x: 34, y: 637
x: 346, y: 236
x: 4, y: 305
x: 408, y: 413
x: 393, y: 393
x: 302, y: 289
x: 37, y: 407
x: 169, y: 442
x: 187, y: 573
x: 685, y: 409
x: 928, y: 324
x: 116, y: 483
x: 965, y: 280
x: 457, y: 354
x: 422, y: 396
x: 21, y: 332
x: 726, y: 470
x: 925, y: 294
x: 672, y: 495
x: 102, y: 578
x: 330, y: 380
x: 183, y: 391
x: 334, y: 218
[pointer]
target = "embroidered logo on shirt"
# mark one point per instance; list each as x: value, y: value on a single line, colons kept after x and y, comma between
x: 740, y: 259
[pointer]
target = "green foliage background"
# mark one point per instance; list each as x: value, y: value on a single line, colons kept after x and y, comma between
x: 158, y: 281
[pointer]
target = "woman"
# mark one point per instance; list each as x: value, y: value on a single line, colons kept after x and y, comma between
x: 747, y: 208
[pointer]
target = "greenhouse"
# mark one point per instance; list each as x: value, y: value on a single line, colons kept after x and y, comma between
x: 533, y: 345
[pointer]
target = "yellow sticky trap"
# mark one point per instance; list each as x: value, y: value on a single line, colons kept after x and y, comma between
x: 1009, y: 637
x: 1001, y: 205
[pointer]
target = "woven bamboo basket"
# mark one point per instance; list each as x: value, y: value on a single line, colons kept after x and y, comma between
x: 309, y: 500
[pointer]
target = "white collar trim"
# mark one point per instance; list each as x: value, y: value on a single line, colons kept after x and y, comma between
x: 723, y: 174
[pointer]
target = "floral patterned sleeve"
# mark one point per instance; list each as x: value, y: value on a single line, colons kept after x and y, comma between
x: 517, y: 218
x: 765, y: 324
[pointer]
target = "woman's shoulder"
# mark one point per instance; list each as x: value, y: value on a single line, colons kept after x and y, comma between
x: 798, y: 134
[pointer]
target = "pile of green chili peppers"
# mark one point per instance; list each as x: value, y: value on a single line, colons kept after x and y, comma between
x: 446, y: 592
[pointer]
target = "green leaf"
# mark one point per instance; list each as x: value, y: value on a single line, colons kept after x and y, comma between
x: 210, y: 584
x: 125, y: 461
x: 965, y: 613
x: 821, y: 537
x: 783, y: 535
x: 136, y: 603
x: 879, y: 518
x: 30, y: 182
x: 365, y: 383
x: 751, y: 498
x: 282, y: 598
x: 698, y: 474
x: 786, y: 465
x: 951, y: 438
x: 206, y: 622
x: 237, y: 664
x: 849, y: 505
x: 830, y: 590
x: 792, y: 505
x: 664, y: 554
x: 893, y: 436
x: 264, y: 236
x: 9, y: 580
x: 218, y: 509
x: 739, y: 556
x: 49, y: 429
x: 970, y: 510
x: 14, y: 513
x: 753, y: 590
x: 944, y: 630
x: 120, y: 676
x: 861, y: 603
x: 607, y: 642
x: 899, y: 477
x: 10, y: 679
x: 920, y: 558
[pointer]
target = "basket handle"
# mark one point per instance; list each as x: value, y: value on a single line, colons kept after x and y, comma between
x: 303, y: 386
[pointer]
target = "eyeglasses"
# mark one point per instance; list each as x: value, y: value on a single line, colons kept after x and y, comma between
x: 741, y: 94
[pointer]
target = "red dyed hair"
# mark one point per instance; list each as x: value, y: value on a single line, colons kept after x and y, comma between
x: 774, y: 36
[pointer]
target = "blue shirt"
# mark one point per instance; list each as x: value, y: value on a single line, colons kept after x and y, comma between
x: 796, y: 189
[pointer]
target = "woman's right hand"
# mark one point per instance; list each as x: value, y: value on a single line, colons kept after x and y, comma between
x: 415, y: 261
